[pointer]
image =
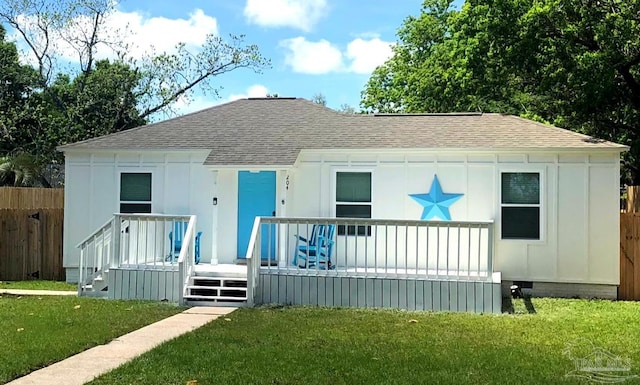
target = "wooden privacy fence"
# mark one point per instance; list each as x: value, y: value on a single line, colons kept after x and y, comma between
x: 629, y: 256
x: 31, y: 244
x: 630, y: 199
x: 31, y: 198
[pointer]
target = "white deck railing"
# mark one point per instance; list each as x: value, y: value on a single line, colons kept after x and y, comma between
x: 375, y: 248
x: 96, y: 252
x: 144, y: 240
x: 136, y: 241
x: 186, y: 260
x: 253, y: 261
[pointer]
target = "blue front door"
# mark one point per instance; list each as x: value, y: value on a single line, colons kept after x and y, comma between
x: 256, y: 198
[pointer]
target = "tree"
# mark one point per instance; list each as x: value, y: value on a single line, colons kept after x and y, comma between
x: 22, y: 170
x: 572, y: 64
x: 320, y: 99
x: 70, y: 101
x: 347, y: 109
x: 17, y: 83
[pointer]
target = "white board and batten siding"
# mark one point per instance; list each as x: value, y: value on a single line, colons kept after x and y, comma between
x: 181, y: 185
x: 579, y: 202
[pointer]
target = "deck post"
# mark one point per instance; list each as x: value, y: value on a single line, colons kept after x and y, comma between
x: 181, y: 283
x: 115, y: 243
x: 80, y: 270
x: 490, y: 249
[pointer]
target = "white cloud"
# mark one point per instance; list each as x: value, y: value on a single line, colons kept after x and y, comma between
x: 300, y: 14
x: 137, y: 31
x: 255, y: 91
x: 366, y: 55
x: 162, y: 33
x: 312, y: 57
x: 362, y: 56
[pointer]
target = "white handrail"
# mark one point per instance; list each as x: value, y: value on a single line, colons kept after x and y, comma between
x: 154, y: 216
x: 101, y: 254
x: 253, y: 259
x: 377, y: 222
x: 363, y: 247
x: 186, y: 259
x: 88, y: 238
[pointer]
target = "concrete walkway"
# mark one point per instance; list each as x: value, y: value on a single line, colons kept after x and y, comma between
x: 36, y: 292
x: 85, y: 366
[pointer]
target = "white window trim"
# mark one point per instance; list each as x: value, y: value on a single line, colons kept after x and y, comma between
x: 135, y: 171
x: 334, y: 185
x: 542, y: 205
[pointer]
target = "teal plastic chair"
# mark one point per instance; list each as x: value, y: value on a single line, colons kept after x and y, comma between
x: 316, y: 251
x: 180, y: 229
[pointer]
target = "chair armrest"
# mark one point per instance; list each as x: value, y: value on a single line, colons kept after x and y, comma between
x: 322, y: 239
x: 301, y: 238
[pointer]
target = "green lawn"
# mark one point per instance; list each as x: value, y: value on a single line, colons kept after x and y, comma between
x: 38, y: 285
x: 346, y: 346
x: 37, y: 331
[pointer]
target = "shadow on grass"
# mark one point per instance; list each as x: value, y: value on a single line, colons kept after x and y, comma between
x: 508, y: 305
x: 529, y: 305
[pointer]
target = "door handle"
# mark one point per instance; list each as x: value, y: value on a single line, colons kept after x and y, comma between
x: 273, y: 214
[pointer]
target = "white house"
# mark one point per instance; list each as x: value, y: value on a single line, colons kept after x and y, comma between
x: 450, y: 206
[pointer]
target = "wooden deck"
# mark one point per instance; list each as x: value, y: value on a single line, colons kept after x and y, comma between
x: 412, y: 265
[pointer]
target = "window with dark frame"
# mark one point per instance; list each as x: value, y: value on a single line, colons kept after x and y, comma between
x: 353, y: 200
x: 520, y: 205
x: 135, y: 192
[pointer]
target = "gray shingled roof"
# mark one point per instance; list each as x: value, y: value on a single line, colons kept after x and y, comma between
x: 272, y: 131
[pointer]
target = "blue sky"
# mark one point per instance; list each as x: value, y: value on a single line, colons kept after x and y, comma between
x: 315, y: 46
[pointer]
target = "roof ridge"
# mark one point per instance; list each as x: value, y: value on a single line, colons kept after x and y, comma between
x: 324, y: 107
x: 271, y: 98
x: 428, y: 114
x: 585, y: 138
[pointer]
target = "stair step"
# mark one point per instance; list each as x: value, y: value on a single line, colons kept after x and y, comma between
x: 220, y: 284
x: 214, y: 298
x: 216, y: 288
x: 218, y: 292
x: 218, y: 278
x: 221, y: 274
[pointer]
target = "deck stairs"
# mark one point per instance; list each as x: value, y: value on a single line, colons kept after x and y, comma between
x: 216, y: 288
x: 205, y: 288
x: 99, y: 286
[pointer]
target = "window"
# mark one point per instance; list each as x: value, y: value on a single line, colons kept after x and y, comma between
x: 520, y: 205
x: 353, y: 200
x: 135, y: 192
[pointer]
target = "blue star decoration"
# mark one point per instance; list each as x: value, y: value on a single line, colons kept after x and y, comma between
x: 435, y: 202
